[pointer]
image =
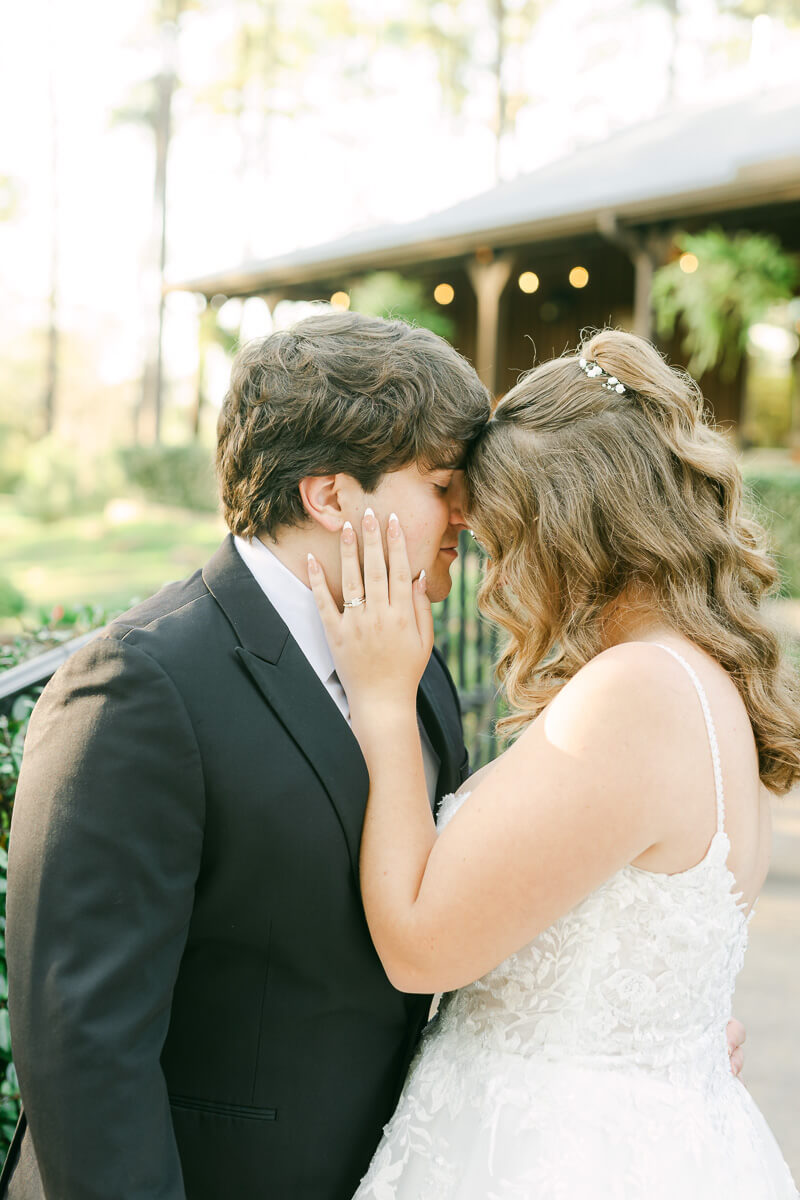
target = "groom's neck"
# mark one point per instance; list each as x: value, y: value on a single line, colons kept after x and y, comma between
x: 293, y: 546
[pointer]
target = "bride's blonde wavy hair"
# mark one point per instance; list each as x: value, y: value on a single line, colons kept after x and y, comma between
x: 583, y: 497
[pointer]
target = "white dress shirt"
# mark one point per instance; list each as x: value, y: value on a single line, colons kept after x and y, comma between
x: 294, y: 602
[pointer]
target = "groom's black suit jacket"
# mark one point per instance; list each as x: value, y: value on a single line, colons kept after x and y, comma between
x: 196, y: 1007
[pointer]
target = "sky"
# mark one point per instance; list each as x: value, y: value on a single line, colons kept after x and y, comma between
x: 349, y: 162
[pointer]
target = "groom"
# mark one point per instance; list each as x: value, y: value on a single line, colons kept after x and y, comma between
x: 197, y: 1010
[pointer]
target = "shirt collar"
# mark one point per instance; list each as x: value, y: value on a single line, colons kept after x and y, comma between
x: 293, y: 601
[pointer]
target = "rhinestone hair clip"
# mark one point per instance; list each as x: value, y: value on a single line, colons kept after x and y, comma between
x: 594, y: 371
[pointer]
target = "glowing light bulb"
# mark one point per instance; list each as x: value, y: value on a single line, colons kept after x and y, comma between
x: 528, y: 282
x: 443, y: 293
x: 688, y: 263
x: 340, y: 300
x: 579, y: 277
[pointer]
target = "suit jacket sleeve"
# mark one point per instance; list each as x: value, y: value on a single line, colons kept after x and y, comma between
x: 105, y: 848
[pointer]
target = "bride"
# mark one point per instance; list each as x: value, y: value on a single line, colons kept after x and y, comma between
x: 583, y: 902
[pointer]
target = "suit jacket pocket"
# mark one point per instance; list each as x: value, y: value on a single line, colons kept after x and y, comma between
x: 222, y: 1109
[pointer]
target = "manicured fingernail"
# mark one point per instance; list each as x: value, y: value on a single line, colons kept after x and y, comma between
x: 313, y: 566
x: 394, y: 525
x: 423, y: 581
x: 348, y: 535
x: 369, y: 519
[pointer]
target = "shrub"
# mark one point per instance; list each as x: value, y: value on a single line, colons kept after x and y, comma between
x: 177, y: 475
x: 776, y: 497
x: 49, y: 488
x: 59, y: 480
x: 14, y: 446
x: 12, y: 601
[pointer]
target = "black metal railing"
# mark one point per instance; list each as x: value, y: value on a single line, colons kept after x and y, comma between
x: 469, y: 646
x: 33, y: 673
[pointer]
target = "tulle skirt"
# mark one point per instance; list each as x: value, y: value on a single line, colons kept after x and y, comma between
x: 533, y: 1129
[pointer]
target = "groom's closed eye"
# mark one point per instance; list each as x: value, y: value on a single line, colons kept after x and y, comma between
x: 442, y: 482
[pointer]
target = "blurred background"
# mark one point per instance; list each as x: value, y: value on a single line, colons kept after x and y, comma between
x: 178, y: 176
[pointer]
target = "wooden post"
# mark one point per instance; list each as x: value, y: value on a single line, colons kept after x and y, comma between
x: 488, y: 277
x: 644, y: 264
x: 647, y: 251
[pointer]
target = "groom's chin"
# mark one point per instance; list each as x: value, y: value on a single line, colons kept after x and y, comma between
x: 439, y: 585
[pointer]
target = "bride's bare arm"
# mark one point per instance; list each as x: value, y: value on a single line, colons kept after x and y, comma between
x: 582, y: 793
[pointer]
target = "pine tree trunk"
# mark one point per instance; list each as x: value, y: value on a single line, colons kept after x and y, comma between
x: 152, y: 379
x: 50, y: 397
x: 501, y: 106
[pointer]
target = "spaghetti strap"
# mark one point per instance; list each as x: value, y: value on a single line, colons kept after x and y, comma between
x: 712, y: 736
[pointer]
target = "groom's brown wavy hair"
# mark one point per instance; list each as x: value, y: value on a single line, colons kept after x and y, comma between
x: 579, y: 492
x: 339, y: 392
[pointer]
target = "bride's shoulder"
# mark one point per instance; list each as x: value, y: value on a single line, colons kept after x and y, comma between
x: 640, y: 663
x: 627, y: 686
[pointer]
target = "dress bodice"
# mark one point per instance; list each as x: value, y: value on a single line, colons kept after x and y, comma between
x: 640, y: 974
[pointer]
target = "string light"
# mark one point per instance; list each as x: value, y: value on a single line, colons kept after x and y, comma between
x: 528, y: 282
x: 579, y: 277
x: 688, y: 263
x: 340, y: 300
x: 443, y: 293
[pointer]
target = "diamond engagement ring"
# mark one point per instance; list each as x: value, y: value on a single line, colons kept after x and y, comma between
x: 355, y: 603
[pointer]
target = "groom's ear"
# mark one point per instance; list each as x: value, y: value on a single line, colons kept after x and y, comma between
x: 329, y: 499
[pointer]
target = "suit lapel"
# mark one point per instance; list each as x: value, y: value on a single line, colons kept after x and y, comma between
x: 290, y: 686
x: 285, y: 679
x: 310, y: 716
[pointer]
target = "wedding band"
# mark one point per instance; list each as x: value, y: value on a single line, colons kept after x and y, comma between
x: 355, y: 603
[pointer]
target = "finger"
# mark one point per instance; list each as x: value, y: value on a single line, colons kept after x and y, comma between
x: 399, y: 570
x: 423, y: 613
x: 352, y: 583
x: 376, y: 582
x: 736, y: 1033
x: 737, y: 1062
x: 328, y: 611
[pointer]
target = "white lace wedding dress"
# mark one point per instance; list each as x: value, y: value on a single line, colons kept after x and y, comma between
x: 593, y: 1063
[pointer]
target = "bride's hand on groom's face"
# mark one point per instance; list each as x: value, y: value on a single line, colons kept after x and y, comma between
x: 381, y: 646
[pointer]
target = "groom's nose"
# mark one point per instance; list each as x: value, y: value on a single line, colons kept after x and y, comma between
x: 455, y: 494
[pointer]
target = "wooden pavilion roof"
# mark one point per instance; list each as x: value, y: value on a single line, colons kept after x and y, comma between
x: 684, y: 162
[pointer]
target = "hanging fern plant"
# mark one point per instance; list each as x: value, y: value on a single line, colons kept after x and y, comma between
x: 734, y: 282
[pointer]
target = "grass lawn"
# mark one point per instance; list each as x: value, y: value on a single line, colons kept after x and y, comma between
x: 109, y: 559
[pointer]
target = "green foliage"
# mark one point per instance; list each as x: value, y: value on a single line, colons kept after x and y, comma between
x: 59, y: 480
x: 769, y: 407
x: 176, y: 475
x: 14, y: 446
x: 9, y: 1086
x: 738, y: 278
x: 50, y: 486
x: 775, y: 497
x: 467, y: 59
x: 12, y: 601
x: 387, y: 294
